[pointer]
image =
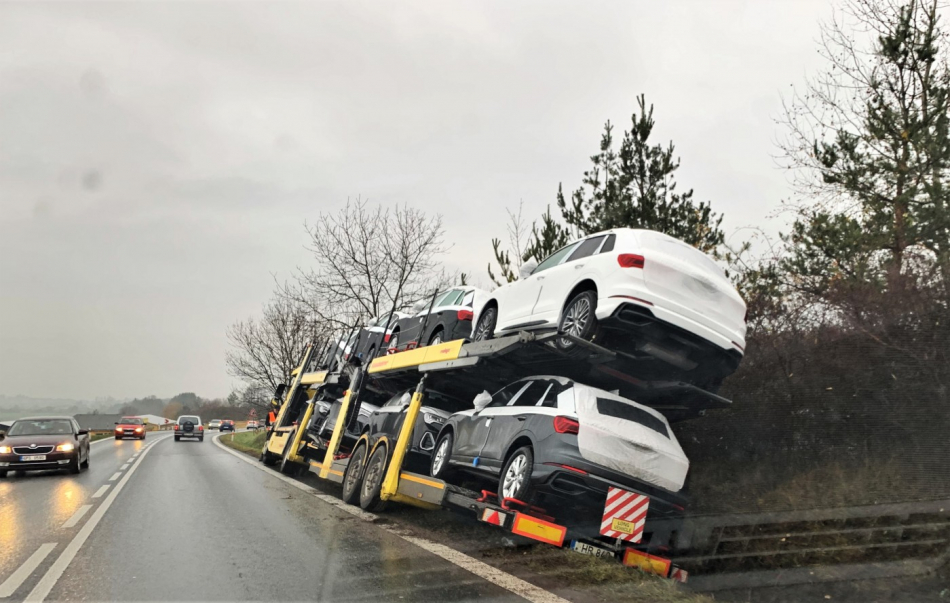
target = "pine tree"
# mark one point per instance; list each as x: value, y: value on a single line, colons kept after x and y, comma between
x: 635, y: 188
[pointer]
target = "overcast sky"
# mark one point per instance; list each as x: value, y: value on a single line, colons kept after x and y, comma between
x: 157, y: 161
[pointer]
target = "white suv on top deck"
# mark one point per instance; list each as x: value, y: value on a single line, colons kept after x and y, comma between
x: 637, y: 291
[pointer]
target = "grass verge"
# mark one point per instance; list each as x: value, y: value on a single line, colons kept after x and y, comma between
x: 248, y: 442
x: 99, y: 436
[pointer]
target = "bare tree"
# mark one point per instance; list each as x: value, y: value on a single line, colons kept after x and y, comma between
x: 510, y: 260
x: 369, y: 260
x: 265, y: 351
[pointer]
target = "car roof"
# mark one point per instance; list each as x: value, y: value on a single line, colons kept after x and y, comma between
x: 46, y: 418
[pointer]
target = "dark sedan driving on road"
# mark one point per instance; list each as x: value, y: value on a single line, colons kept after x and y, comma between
x: 36, y: 443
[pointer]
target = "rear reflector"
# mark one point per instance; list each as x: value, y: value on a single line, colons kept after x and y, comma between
x: 466, y: 314
x: 630, y: 260
x: 568, y: 467
x: 636, y: 299
x: 565, y: 425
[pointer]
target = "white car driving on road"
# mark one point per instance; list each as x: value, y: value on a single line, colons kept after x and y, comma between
x: 636, y: 291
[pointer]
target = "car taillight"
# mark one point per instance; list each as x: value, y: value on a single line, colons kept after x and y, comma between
x: 386, y: 338
x: 630, y: 260
x: 176, y: 426
x: 466, y: 315
x: 201, y: 428
x: 565, y: 425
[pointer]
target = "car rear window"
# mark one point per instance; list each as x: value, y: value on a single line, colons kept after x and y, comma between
x: 195, y: 420
x: 628, y: 412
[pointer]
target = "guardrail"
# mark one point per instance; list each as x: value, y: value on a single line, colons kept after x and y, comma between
x: 746, y: 550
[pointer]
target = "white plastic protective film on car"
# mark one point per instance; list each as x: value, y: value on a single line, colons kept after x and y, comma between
x: 631, y: 439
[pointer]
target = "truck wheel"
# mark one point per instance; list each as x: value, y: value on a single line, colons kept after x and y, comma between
x: 267, y: 457
x: 440, y: 458
x: 351, y: 479
x: 578, y: 319
x: 515, y: 478
x: 373, y: 481
x: 288, y: 467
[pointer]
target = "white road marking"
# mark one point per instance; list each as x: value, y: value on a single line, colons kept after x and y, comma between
x: 115, y: 476
x: 55, y: 572
x: 101, y: 491
x: 513, y: 584
x: 125, y: 466
x: 23, y: 572
x: 76, y: 516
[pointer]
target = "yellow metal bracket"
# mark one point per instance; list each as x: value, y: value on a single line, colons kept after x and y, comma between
x: 337, y: 434
x: 391, y: 481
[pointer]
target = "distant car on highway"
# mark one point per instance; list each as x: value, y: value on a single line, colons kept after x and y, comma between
x: 253, y: 425
x: 130, y: 427
x: 189, y: 426
x: 36, y: 443
x: 226, y: 425
x: 214, y: 424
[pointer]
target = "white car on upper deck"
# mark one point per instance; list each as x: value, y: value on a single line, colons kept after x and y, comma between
x: 636, y: 291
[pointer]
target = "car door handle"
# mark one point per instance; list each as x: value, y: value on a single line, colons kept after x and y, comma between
x: 540, y: 278
x: 521, y: 418
x: 576, y: 266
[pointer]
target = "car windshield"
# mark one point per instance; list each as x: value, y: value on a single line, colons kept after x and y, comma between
x: 40, y: 427
x: 130, y: 421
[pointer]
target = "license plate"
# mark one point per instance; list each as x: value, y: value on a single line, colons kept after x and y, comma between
x: 589, y: 549
x: 33, y: 457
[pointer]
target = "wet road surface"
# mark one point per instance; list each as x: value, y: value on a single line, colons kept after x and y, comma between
x: 193, y: 522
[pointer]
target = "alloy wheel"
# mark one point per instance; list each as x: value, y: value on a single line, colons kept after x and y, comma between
x: 440, y: 456
x: 515, y: 476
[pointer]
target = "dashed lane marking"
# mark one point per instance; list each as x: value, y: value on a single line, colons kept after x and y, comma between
x: 55, y: 572
x: 101, y: 491
x: 115, y: 476
x: 23, y: 572
x: 513, y: 584
x: 76, y: 516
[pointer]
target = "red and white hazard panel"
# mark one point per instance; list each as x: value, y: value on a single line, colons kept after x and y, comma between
x: 496, y: 518
x: 624, y: 515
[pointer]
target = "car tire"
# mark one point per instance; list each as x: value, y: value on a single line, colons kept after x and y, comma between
x: 372, y: 482
x: 436, y: 337
x: 85, y: 463
x: 394, y: 340
x: 75, y: 467
x: 578, y: 319
x: 440, y: 456
x: 351, y: 478
x: 201, y: 439
x: 118, y: 438
x: 370, y: 355
x: 19, y: 473
x: 177, y: 438
x: 516, y: 475
x: 3, y: 472
x: 485, y: 328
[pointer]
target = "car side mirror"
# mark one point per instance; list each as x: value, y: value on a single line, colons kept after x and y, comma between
x: 527, y: 268
x: 85, y: 431
x: 116, y: 422
x: 482, y: 400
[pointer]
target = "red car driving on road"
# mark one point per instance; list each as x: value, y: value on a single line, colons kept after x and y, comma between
x: 130, y: 427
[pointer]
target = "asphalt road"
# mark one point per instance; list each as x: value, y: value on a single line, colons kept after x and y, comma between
x: 191, y: 521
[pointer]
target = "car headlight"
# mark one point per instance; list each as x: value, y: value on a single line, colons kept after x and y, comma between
x: 5, y: 450
x: 138, y: 429
x: 432, y: 419
x: 67, y: 447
